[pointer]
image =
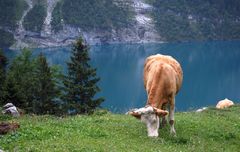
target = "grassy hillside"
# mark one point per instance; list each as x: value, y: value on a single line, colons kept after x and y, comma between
x: 212, y: 130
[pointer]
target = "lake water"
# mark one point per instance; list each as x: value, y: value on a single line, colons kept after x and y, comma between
x: 211, y: 72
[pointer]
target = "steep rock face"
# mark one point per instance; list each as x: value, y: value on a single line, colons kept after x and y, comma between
x: 47, y: 29
x: 20, y: 31
x: 146, y: 28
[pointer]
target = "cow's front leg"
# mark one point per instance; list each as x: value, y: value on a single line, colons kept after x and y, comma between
x: 171, y: 117
x: 164, y: 118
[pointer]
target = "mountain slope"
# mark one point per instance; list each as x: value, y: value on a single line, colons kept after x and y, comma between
x: 197, y: 20
x: 44, y: 23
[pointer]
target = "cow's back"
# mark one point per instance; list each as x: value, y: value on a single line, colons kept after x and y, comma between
x: 159, y: 59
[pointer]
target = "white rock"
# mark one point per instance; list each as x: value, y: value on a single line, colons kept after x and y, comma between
x: 224, y: 103
x: 202, y: 109
x: 10, y: 108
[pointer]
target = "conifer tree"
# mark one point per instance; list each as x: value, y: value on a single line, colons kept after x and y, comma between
x: 3, y: 64
x: 46, y: 92
x: 81, y: 82
x: 20, y: 82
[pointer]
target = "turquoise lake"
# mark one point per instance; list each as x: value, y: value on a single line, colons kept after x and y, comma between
x: 211, y: 72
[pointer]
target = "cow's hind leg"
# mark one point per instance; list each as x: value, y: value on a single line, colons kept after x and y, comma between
x: 171, y: 116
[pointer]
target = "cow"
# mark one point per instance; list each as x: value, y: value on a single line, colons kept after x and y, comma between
x: 224, y: 104
x: 162, y: 80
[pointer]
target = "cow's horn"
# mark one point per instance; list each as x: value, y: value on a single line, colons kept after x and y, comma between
x: 160, y: 112
x: 135, y: 114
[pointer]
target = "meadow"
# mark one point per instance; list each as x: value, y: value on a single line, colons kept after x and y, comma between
x: 211, y: 130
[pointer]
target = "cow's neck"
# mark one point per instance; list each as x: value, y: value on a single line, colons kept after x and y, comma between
x: 155, y: 104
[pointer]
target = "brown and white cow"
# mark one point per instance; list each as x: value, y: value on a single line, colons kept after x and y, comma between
x: 162, y: 80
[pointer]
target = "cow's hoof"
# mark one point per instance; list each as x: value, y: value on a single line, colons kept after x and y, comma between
x: 173, y: 132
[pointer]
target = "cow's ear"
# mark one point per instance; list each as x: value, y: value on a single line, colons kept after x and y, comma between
x: 160, y: 113
x: 135, y: 114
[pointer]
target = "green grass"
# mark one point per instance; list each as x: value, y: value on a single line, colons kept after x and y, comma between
x: 211, y: 130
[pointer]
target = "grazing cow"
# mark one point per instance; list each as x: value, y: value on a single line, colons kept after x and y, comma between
x: 162, y: 80
x: 224, y: 104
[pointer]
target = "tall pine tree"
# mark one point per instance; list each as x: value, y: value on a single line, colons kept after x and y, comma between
x: 47, y: 93
x: 81, y: 82
x: 3, y: 65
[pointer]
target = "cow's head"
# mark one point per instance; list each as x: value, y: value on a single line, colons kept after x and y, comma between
x: 150, y: 116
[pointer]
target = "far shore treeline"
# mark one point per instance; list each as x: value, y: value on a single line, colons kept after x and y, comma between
x: 35, y: 87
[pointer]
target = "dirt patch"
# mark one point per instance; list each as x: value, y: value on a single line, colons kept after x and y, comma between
x: 6, y: 127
